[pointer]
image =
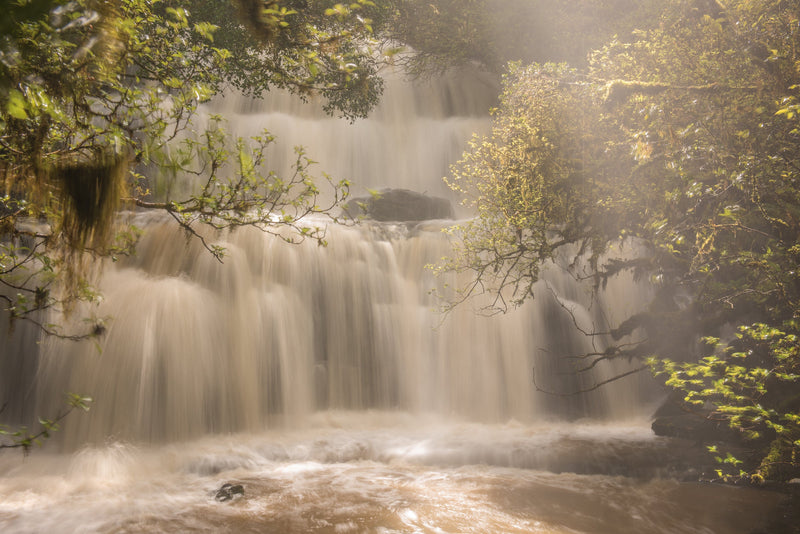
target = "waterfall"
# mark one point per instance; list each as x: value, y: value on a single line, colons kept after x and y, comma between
x: 279, y: 332
x: 324, y: 383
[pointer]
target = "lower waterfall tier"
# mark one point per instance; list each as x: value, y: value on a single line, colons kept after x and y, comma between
x: 276, y: 332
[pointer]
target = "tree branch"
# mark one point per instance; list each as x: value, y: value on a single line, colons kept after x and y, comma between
x: 595, y: 386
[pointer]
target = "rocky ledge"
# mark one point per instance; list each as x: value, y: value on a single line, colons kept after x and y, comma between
x: 399, y: 205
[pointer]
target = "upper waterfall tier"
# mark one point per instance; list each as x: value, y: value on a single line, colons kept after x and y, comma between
x: 411, y: 139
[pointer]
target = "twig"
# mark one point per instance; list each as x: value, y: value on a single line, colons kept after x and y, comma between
x: 597, y: 385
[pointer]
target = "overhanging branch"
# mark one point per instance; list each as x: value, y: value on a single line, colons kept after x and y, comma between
x: 595, y: 386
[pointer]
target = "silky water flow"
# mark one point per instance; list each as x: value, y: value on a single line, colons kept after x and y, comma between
x: 326, y: 382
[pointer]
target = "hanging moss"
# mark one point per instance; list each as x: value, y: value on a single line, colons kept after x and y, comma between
x: 91, y: 190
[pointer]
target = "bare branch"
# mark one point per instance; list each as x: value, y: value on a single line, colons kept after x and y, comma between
x: 595, y: 386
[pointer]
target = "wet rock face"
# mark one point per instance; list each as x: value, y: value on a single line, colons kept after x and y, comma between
x: 399, y: 205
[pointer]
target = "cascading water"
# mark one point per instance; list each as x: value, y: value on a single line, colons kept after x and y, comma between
x: 326, y: 383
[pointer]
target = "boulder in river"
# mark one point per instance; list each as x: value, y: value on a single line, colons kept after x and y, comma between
x: 229, y: 491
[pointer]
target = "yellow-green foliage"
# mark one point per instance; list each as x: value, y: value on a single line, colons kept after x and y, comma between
x: 753, y: 383
x: 681, y: 137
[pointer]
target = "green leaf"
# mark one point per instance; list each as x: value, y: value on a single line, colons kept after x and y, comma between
x: 15, y: 106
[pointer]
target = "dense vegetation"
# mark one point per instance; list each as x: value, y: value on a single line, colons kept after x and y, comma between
x: 95, y: 92
x: 681, y: 144
x: 490, y: 33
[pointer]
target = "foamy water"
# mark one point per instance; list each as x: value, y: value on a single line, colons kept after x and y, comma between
x: 377, y: 472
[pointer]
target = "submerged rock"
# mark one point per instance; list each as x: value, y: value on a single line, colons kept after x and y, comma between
x: 399, y: 205
x: 229, y: 491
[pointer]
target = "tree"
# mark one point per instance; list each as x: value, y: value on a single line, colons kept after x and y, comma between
x: 320, y: 48
x: 680, y: 144
x: 23, y: 438
x: 443, y: 34
x: 94, y: 93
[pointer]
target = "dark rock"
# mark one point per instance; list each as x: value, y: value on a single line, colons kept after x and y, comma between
x: 229, y: 491
x: 672, y: 405
x: 677, y: 419
x: 399, y: 205
x: 692, y: 427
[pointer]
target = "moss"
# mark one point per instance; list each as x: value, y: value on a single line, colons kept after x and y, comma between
x: 91, y: 190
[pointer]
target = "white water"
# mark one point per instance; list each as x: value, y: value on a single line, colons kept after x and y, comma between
x: 325, y: 382
x: 376, y: 472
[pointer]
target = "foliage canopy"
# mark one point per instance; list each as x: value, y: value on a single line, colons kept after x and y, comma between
x: 94, y: 92
x: 682, y: 143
